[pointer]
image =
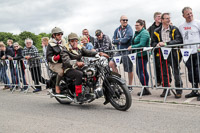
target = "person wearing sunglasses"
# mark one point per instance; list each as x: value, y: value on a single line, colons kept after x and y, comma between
x: 122, y: 38
x: 141, y: 38
x: 56, y: 44
x: 20, y: 67
x: 71, y: 59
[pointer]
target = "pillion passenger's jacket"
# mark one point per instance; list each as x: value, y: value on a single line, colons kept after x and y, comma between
x: 175, y: 36
x: 70, y: 56
x: 54, y: 48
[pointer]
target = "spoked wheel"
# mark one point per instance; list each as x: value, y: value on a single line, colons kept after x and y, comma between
x: 63, y: 100
x: 121, y: 99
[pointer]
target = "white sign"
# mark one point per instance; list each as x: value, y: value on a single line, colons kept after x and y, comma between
x: 25, y: 63
x: 186, y: 54
x: 147, y: 48
x: 15, y: 63
x: 132, y: 57
x: 7, y: 62
x: 117, y: 60
x: 166, y: 52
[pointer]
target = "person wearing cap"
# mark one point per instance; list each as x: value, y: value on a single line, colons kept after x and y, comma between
x: 85, y: 32
x: 102, y: 42
x: 71, y: 58
x: 56, y: 44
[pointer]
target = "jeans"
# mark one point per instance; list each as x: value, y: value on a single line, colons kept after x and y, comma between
x: 14, y: 76
x: 3, y: 75
x: 141, y: 70
x: 22, y: 76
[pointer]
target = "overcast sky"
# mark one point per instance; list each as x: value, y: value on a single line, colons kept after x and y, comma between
x: 74, y: 15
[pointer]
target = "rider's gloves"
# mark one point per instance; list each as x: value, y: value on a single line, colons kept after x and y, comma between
x: 56, y: 57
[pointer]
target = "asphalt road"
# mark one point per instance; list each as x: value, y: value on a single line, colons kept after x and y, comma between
x: 37, y: 113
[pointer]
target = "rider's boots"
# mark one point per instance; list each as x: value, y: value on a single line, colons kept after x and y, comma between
x: 78, y: 91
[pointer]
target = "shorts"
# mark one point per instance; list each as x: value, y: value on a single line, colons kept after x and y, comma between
x: 127, y: 64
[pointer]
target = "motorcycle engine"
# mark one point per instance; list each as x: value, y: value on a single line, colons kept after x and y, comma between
x: 90, y: 71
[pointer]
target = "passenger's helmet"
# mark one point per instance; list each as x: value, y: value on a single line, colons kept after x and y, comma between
x: 72, y: 36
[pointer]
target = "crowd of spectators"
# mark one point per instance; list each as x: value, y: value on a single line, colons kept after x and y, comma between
x: 160, y: 34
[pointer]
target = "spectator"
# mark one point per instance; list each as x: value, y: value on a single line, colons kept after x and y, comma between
x: 10, y: 44
x: 102, y: 42
x: 30, y: 53
x: 11, y: 65
x: 122, y: 38
x: 168, y: 35
x: 190, y: 33
x: 4, y: 54
x: 56, y: 44
x: 45, y: 42
x: 20, y: 65
x: 156, y: 24
x: 85, y: 32
x: 86, y: 43
x: 141, y: 39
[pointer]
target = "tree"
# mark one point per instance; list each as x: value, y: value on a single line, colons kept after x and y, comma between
x: 24, y: 35
x: 4, y: 36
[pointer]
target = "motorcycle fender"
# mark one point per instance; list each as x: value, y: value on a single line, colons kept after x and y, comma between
x: 116, y: 78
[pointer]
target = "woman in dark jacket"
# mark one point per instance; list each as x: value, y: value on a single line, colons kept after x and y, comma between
x: 19, y: 65
x: 141, y: 39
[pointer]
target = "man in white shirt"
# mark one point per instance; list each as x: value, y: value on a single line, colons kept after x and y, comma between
x: 190, y: 31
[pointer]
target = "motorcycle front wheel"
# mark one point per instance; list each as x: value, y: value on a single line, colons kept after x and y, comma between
x: 121, y: 99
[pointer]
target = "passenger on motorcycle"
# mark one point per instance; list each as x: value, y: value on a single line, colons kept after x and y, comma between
x: 56, y: 44
x: 71, y: 58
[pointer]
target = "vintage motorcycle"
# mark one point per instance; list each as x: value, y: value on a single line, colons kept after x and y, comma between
x: 95, y: 71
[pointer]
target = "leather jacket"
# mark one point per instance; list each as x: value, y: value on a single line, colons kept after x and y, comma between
x: 70, y: 56
x: 54, y: 49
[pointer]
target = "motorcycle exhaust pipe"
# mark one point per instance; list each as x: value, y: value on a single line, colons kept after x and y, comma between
x: 56, y: 95
x: 60, y: 96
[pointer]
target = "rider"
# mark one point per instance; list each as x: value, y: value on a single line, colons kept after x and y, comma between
x: 56, y: 44
x: 71, y: 58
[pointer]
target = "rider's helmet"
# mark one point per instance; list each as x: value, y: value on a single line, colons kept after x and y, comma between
x: 72, y: 36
